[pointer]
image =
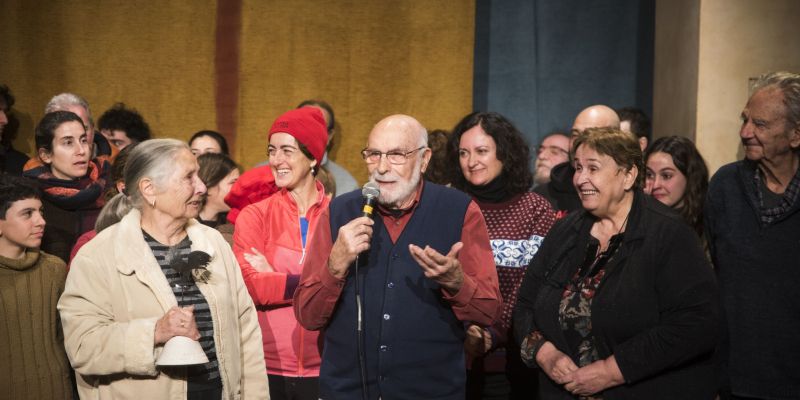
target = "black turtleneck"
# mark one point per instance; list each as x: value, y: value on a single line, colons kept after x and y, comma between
x: 495, y: 191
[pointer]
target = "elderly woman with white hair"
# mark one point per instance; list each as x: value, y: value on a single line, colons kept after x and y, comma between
x: 155, y: 275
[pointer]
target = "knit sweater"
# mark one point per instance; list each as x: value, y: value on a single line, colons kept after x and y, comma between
x: 31, y: 341
x: 516, y: 230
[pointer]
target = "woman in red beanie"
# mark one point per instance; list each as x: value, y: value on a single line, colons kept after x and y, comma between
x: 270, y: 244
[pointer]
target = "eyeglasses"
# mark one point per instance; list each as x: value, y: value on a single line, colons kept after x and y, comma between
x: 395, y: 157
x: 551, y: 150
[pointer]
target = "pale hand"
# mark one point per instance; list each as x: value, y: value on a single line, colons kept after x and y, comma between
x: 176, y: 322
x: 444, y: 269
x: 595, y: 377
x: 353, y: 239
x: 258, y: 261
x: 557, y: 365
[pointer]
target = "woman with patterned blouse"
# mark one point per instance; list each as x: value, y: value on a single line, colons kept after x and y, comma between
x: 489, y: 161
x: 620, y: 302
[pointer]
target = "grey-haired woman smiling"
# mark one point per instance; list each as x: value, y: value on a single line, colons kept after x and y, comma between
x: 125, y: 295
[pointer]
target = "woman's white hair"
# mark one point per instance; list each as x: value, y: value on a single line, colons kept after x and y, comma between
x: 150, y: 159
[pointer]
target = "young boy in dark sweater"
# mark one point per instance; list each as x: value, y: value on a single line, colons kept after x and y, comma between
x: 31, y: 341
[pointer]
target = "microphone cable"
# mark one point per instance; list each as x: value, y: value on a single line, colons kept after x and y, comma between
x: 370, y: 193
x: 362, y: 362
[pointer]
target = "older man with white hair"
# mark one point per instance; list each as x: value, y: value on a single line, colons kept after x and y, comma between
x: 752, y: 221
x: 420, y: 269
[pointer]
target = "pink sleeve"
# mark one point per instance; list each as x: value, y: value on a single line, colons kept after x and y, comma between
x: 266, y: 288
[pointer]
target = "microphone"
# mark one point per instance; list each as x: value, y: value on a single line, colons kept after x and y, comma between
x: 370, y: 193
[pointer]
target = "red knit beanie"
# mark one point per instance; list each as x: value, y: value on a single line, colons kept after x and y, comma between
x: 307, y: 125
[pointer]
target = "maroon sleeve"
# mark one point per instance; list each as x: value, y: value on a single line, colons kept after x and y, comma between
x: 318, y: 291
x: 479, y: 299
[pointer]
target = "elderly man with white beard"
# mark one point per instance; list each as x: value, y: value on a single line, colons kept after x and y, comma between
x: 424, y: 267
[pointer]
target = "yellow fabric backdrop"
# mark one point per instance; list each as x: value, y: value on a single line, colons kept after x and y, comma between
x: 368, y: 59
x: 154, y: 56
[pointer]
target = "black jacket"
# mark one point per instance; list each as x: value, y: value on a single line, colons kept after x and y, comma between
x: 758, y: 266
x: 656, y: 310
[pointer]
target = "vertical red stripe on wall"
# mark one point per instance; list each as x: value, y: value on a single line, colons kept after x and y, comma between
x: 226, y: 68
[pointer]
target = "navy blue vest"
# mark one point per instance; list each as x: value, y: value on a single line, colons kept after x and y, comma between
x: 413, y: 340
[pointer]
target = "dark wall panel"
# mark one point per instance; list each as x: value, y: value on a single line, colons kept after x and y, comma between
x: 540, y: 62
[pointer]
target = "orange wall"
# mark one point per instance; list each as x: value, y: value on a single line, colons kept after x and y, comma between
x: 368, y: 59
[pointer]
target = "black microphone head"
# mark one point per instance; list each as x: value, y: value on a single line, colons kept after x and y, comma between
x: 371, y: 190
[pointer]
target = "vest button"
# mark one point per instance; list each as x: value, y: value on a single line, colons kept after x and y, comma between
x: 384, y: 347
x: 386, y: 316
x: 390, y: 285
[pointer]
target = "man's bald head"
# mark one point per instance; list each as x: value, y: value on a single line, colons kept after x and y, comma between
x: 404, y: 125
x: 596, y: 116
x: 397, y: 177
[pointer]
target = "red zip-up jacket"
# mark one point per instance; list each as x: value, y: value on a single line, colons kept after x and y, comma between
x: 272, y: 226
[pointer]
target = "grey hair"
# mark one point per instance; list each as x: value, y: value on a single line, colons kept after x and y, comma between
x: 423, y: 137
x: 789, y: 84
x: 150, y: 159
x: 112, y: 212
x: 60, y: 102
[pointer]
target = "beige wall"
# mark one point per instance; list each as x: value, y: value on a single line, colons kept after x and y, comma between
x: 675, y: 68
x: 736, y: 40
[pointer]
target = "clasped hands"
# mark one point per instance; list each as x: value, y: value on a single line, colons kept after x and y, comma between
x: 583, y: 381
x: 355, y: 236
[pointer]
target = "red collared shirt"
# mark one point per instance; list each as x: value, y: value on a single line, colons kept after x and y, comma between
x: 478, y: 300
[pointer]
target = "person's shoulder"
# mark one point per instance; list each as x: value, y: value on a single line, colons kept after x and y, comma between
x: 346, y: 197
x: 728, y: 171
x: 535, y: 200
x: 442, y: 190
x: 49, y: 261
x: 661, y: 212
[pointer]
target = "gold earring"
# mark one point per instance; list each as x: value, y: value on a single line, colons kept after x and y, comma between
x: 153, y: 203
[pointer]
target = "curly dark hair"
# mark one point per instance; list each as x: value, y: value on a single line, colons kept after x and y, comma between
x: 691, y: 164
x: 437, y: 167
x: 127, y: 120
x: 512, y: 151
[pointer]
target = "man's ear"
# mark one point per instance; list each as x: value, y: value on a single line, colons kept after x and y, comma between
x: 427, y: 153
x: 794, y: 137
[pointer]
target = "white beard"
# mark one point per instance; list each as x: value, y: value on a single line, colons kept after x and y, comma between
x: 395, y: 198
